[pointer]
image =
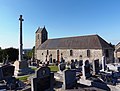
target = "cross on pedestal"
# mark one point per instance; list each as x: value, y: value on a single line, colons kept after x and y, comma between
x: 20, y: 46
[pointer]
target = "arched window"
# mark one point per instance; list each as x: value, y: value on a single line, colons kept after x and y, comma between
x: 38, y: 36
x: 57, y: 52
x: 88, y: 53
x: 71, y: 52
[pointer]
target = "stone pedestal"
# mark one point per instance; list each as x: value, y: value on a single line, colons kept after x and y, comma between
x: 21, y: 68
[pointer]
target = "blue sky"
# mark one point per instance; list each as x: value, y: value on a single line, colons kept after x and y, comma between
x: 62, y: 18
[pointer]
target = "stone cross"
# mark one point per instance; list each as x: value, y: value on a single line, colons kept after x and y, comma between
x: 21, y: 45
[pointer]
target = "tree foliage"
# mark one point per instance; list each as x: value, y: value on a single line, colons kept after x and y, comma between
x: 29, y: 54
x: 11, y: 52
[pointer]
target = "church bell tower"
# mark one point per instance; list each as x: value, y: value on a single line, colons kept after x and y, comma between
x: 41, y: 37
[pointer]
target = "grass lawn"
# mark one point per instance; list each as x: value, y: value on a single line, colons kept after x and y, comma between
x: 54, y: 68
x: 23, y: 78
x: 33, y: 68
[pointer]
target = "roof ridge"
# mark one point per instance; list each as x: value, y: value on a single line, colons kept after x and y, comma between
x: 118, y: 43
x: 75, y: 36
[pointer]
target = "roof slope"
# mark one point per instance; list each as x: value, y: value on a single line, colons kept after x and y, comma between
x: 39, y: 30
x: 79, y: 42
x: 118, y: 50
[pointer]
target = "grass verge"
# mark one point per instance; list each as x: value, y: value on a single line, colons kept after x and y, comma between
x: 54, y: 68
x: 23, y: 78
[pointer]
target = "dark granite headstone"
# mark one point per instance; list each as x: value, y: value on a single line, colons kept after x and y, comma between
x: 86, y: 69
x: 43, y: 80
x: 72, y: 66
x: 96, y: 66
x: 69, y: 79
x: 62, y: 66
x: 6, y: 71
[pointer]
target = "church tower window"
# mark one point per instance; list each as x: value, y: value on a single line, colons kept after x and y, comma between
x: 38, y: 36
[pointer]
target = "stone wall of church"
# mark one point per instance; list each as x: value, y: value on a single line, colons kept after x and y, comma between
x: 110, y: 59
x: 118, y: 54
x: 78, y: 54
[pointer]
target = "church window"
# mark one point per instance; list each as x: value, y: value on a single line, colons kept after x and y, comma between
x: 38, y: 36
x: 47, y: 52
x: 57, y: 52
x: 42, y: 53
x: 71, y: 52
x: 88, y: 53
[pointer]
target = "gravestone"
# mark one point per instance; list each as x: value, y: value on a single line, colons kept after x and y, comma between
x: 69, y: 79
x: 6, y: 71
x: 80, y: 63
x: 86, y: 69
x: 62, y: 66
x: 6, y: 74
x: 96, y: 66
x: 103, y: 63
x: 43, y: 80
x: 50, y: 58
x: 72, y: 66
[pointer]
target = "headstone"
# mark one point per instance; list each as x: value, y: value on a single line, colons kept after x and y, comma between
x: 6, y: 71
x: 43, y: 80
x: 103, y: 63
x: 50, y: 58
x: 54, y: 60
x: 69, y: 79
x: 72, y: 64
x: 62, y: 66
x: 80, y: 63
x: 7, y: 60
x: 86, y: 69
x: 96, y: 66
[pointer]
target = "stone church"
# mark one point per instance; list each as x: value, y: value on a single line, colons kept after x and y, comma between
x: 89, y: 47
x: 117, y: 52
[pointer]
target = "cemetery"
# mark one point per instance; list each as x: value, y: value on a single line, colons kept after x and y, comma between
x: 81, y: 75
x: 53, y: 75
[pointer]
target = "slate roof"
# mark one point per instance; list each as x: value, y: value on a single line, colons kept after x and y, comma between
x: 78, y: 42
x: 117, y: 47
x: 39, y: 29
x: 118, y: 44
x: 118, y: 50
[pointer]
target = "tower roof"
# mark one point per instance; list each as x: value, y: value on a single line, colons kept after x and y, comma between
x: 40, y: 29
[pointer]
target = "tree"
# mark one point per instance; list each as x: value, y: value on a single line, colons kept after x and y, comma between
x: 29, y: 54
x: 12, y: 54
